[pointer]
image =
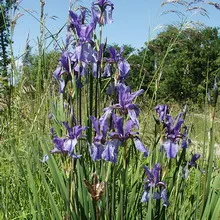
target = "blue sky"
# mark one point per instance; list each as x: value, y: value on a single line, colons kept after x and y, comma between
x: 134, y: 21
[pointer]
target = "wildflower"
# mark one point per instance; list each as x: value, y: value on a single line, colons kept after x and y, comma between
x: 83, y: 31
x: 83, y: 49
x: 154, y: 185
x: 172, y: 131
x: 67, y: 60
x: 192, y: 163
x: 123, y: 134
x: 125, y: 105
x: 117, y: 59
x: 162, y: 111
x: 67, y: 144
x: 100, y: 128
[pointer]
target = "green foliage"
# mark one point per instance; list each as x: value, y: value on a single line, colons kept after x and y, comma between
x: 30, y: 68
x: 5, y: 6
x: 178, y: 62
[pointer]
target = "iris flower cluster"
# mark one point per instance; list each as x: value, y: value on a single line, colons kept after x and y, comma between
x: 154, y: 186
x: 119, y: 123
x: 112, y: 130
x: 174, y: 132
x: 66, y: 145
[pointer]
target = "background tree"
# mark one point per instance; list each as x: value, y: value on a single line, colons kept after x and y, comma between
x: 5, y: 6
x: 179, y: 62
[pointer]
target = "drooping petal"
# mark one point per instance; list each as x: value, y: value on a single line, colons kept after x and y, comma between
x: 164, y: 197
x: 139, y: 145
x: 69, y: 145
x: 145, y: 196
x: 171, y: 149
x: 96, y: 151
x: 110, y: 152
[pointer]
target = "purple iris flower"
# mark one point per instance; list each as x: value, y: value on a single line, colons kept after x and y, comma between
x: 125, y: 98
x: 100, y: 127
x: 110, y: 152
x: 67, y: 60
x: 123, y: 133
x: 83, y: 50
x: 153, y: 182
x: 83, y: 31
x: 117, y: 59
x: 100, y: 13
x: 192, y: 163
x: 162, y: 111
x: 172, y: 128
x: 125, y: 105
x: 67, y: 145
x: 173, y: 135
x: 115, y: 56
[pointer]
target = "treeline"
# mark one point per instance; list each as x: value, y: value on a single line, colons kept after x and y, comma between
x: 178, y: 65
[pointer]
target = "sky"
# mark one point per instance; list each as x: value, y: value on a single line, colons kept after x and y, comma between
x: 134, y: 22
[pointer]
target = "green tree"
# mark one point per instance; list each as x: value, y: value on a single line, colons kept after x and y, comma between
x: 179, y: 62
x: 5, y: 6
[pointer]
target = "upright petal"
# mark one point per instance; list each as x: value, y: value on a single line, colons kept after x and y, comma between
x: 124, y: 68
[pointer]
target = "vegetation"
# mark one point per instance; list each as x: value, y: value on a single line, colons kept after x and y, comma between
x: 182, y: 60
x: 68, y: 150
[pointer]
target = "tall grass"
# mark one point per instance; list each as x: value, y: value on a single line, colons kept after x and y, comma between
x: 64, y: 188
